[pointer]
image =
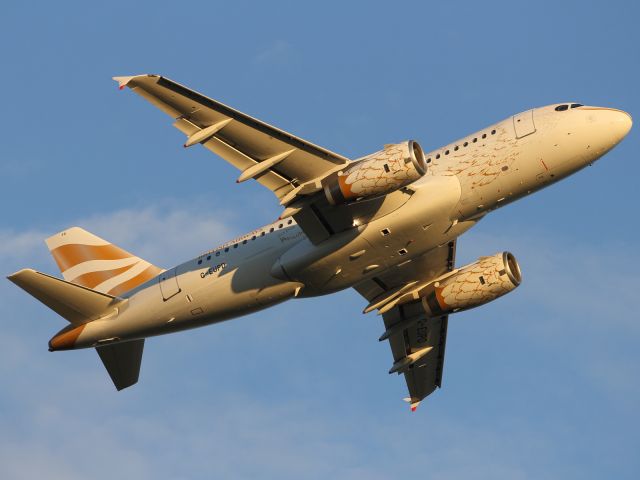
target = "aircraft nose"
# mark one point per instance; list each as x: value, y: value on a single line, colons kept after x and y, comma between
x: 625, y: 123
x: 618, y: 123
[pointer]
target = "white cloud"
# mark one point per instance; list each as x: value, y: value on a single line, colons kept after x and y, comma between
x: 166, y: 234
x: 163, y: 234
x: 16, y: 246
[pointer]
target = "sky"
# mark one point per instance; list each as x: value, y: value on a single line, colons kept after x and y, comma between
x: 542, y: 383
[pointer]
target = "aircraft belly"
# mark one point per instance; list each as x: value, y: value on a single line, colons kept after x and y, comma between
x: 237, y: 290
x: 423, y: 223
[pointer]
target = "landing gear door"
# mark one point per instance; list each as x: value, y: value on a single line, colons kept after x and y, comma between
x: 523, y: 124
x: 169, y: 284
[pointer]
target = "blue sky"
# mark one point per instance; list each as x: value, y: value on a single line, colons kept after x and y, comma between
x: 540, y: 384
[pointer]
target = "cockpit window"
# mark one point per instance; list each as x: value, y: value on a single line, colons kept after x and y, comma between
x: 561, y: 108
x: 576, y: 105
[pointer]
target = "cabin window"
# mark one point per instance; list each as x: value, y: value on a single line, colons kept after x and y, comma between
x: 244, y: 242
x: 437, y: 156
x: 217, y: 254
x: 263, y: 234
x: 200, y: 262
x: 386, y: 168
x: 226, y: 249
x: 235, y: 245
x: 484, y: 135
x: 289, y: 222
x: 446, y: 152
x: 465, y: 144
x: 475, y: 140
x: 253, y: 238
x: 271, y: 229
x: 208, y: 257
x: 456, y: 148
x: 493, y: 132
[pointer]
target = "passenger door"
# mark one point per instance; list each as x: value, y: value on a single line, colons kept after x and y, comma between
x: 169, y: 284
x: 523, y: 124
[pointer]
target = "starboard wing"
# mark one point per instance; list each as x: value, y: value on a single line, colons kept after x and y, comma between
x: 410, y: 332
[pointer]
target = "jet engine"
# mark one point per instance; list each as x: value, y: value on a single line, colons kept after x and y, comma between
x: 393, y: 167
x: 473, y: 285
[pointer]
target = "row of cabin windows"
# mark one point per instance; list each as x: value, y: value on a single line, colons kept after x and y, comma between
x: 465, y: 144
x: 244, y: 242
x: 562, y: 108
x: 559, y: 108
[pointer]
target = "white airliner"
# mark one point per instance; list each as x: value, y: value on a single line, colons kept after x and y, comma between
x: 384, y: 224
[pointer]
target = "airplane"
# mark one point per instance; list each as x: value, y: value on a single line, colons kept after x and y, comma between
x: 384, y: 224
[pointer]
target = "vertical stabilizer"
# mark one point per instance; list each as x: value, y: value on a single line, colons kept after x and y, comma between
x: 88, y: 260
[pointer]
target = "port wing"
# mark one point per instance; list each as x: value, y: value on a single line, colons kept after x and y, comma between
x: 417, y: 342
x: 282, y: 162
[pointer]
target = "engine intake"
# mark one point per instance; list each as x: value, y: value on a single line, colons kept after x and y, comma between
x: 393, y: 167
x: 473, y: 285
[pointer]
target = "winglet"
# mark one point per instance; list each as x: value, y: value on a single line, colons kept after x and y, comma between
x: 123, y: 81
x: 412, y: 403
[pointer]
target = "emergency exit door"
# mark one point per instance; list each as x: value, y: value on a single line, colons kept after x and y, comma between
x: 169, y: 284
x: 523, y: 124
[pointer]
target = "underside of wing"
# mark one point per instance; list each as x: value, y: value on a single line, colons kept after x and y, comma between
x: 417, y: 341
x: 276, y: 159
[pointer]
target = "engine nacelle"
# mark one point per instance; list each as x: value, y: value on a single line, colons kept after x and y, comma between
x: 393, y: 167
x: 473, y: 285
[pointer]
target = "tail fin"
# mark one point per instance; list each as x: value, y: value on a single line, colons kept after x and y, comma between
x: 90, y: 261
x: 75, y: 303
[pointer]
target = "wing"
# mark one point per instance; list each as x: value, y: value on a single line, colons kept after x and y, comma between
x: 411, y: 334
x: 278, y: 160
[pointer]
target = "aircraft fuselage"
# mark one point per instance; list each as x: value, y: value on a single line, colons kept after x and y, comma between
x: 465, y: 180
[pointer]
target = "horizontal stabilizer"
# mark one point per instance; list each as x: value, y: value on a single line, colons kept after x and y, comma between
x: 75, y: 303
x: 122, y: 361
